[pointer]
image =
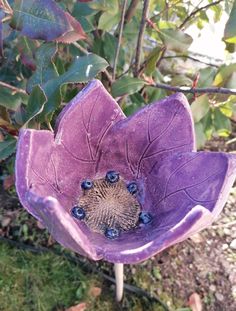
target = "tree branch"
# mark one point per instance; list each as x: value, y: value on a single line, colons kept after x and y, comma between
x: 140, y: 36
x: 131, y: 10
x: 13, y: 88
x: 121, y: 26
x: 190, y: 90
x: 192, y: 58
x: 191, y: 15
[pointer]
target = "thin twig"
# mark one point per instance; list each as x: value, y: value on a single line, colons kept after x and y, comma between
x: 83, y: 50
x: 191, y: 90
x: 173, y: 4
x: 121, y: 26
x: 192, y: 58
x: 13, y: 88
x: 140, y: 36
x: 231, y: 141
x: 131, y: 10
x: 191, y: 15
x: 85, y: 264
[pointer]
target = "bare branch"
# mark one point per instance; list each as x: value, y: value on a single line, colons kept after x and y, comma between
x: 131, y: 10
x: 191, y: 90
x: 140, y: 36
x: 121, y: 26
x: 192, y: 58
x: 191, y: 15
x: 13, y: 88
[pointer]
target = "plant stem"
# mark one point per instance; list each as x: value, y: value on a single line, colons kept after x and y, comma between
x: 191, y: 15
x: 191, y: 90
x: 121, y: 26
x: 13, y: 88
x: 119, y: 276
x: 140, y: 36
x: 131, y: 10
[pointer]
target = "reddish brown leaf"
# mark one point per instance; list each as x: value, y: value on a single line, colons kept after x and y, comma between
x: 40, y: 225
x: 195, y: 302
x: 75, y: 33
x: 95, y: 291
x: 80, y: 307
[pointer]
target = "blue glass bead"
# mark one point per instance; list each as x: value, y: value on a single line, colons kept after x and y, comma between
x: 112, y: 176
x: 145, y: 218
x: 78, y: 212
x: 87, y: 184
x: 112, y: 233
x: 132, y: 188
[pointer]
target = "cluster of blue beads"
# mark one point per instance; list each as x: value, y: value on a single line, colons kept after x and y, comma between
x: 112, y: 177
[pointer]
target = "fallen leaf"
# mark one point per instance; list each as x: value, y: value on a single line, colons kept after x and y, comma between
x: 40, y: 225
x: 80, y: 307
x: 95, y: 291
x: 195, y: 302
x: 5, y: 221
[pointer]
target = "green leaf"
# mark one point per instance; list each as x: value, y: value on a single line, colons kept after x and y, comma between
x: 7, y: 147
x: 27, y: 48
x: 230, y: 27
x: 9, y: 100
x: 111, y: 6
x: 207, y: 123
x: 217, y: 9
x: 200, y: 107
x: 109, y: 48
x: 206, y: 76
x: 175, y: 40
x: 86, y: 24
x: 181, y: 80
x: 152, y: 59
x: 227, y: 109
x: 82, y: 70
x: 126, y: 85
x: 107, y: 21
x: 82, y: 9
x: 221, y: 123
x: 46, y: 70
x: 200, y: 135
x: 224, y: 75
x: 35, y: 105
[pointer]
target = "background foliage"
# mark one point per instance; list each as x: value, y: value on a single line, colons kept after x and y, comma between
x: 139, y: 49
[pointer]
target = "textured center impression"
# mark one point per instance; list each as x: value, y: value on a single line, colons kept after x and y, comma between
x: 108, y: 205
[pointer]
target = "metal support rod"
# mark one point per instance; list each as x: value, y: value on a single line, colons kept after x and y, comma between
x: 119, y: 276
